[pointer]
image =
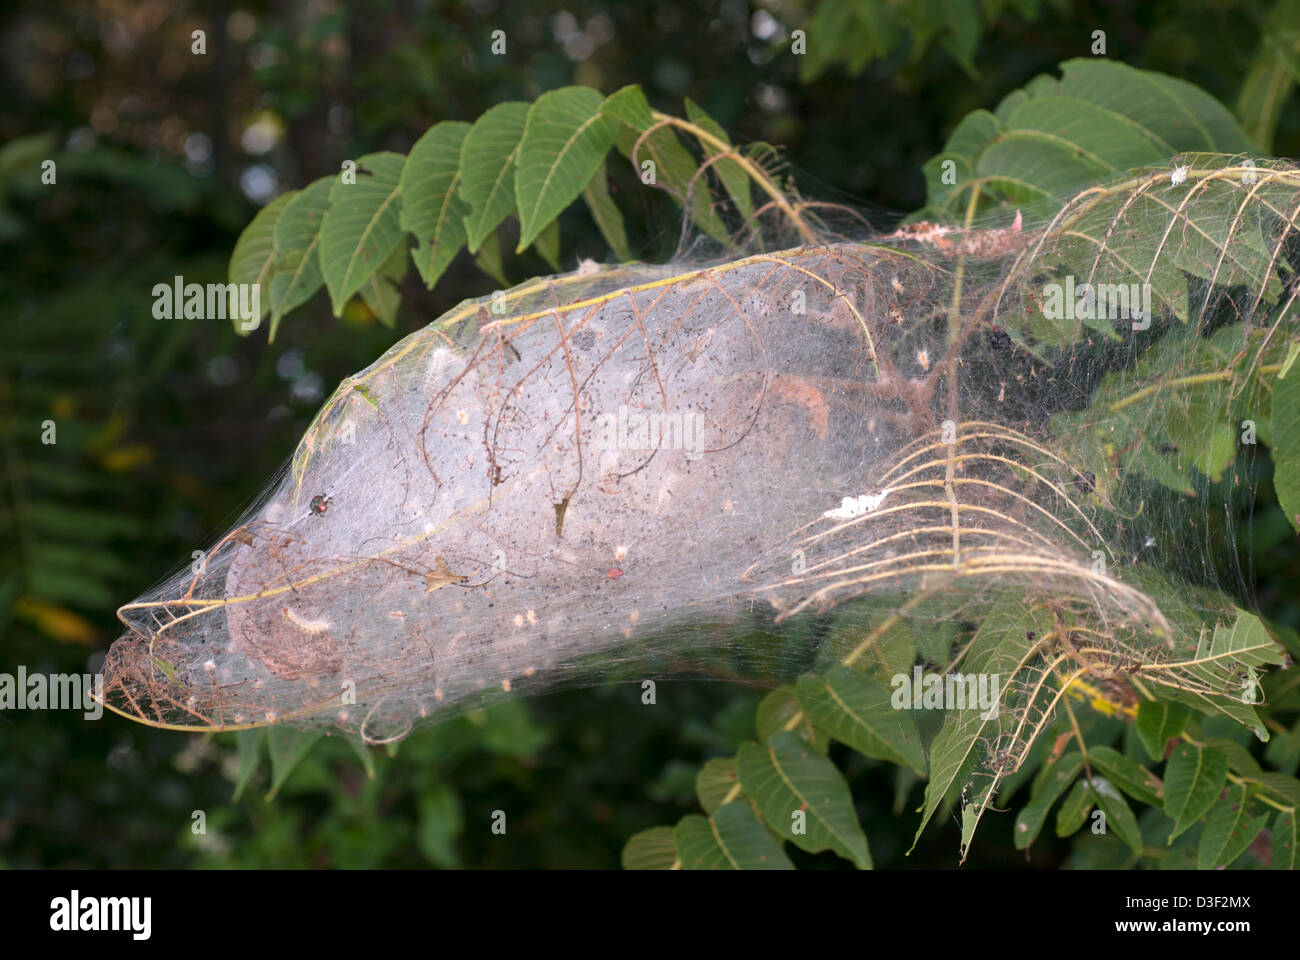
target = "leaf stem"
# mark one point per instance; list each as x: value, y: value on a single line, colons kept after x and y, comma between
x: 752, y: 170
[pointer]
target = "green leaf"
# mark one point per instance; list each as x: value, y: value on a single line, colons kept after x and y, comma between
x: 1119, y: 817
x: 23, y: 153
x: 715, y: 780
x: 1239, y: 758
x: 1286, y: 446
x: 1272, y: 74
x: 565, y: 141
x: 629, y: 105
x: 382, y: 292
x: 1129, y: 775
x: 777, y: 709
x: 365, y: 755
x: 1158, y: 721
x: 785, y: 776
x: 488, y: 260
x: 607, y: 215
x: 1264, y: 91
x: 1284, y: 841
x: 287, y: 747
x: 510, y: 730
x: 653, y: 849
x: 1074, y: 811
x: 963, y: 34
x: 1288, y: 788
x: 732, y: 174
x: 432, y: 210
x: 1055, y: 780
x: 730, y: 839
x: 1230, y: 829
x: 547, y: 244
x: 250, y: 755
x: 487, y: 169
x: 441, y: 822
x: 675, y: 169
x: 1056, y: 135
x: 856, y: 711
x: 297, y: 237
x: 362, y: 226
x: 1193, y: 779
x: 253, y: 259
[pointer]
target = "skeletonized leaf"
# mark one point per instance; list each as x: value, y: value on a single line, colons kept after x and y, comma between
x: 565, y: 141
x: 431, y: 208
x: 362, y: 225
x: 1219, y: 654
x: 1000, y: 646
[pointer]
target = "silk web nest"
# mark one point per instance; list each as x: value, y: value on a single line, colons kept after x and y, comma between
x: 760, y: 462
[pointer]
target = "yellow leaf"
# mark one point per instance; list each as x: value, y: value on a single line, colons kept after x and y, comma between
x: 56, y: 622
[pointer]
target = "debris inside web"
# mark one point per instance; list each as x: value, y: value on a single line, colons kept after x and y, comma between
x: 586, y: 474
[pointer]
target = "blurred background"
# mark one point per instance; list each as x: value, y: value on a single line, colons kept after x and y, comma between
x: 166, y: 429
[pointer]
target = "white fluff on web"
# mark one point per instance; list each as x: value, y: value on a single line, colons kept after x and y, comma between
x: 593, y: 480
